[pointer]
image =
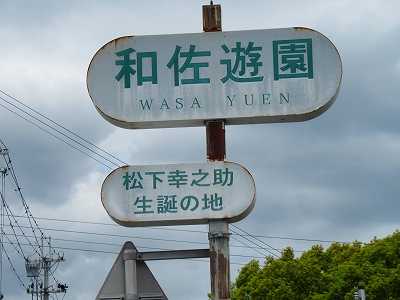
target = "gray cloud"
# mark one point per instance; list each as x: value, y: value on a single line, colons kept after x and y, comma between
x: 334, y: 177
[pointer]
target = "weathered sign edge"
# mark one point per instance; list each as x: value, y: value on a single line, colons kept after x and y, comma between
x: 235, y: 121
x: 237, y: 218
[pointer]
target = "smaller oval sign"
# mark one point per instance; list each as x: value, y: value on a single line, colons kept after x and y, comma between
x: 178, y: 194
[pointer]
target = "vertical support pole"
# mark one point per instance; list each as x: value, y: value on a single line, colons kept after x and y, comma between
x: 46, y: 268
x: 361, y: 293
x: 215, y: 135
x: 42, y: 266
x: 36, y: 290
x: 218, y: 230
x: 219, y: 260
x: 212, y: 17
x: 3, y: 195
x: 131, y: 289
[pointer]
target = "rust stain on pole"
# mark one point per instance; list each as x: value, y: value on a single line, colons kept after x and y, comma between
x: 215, y: 130
x: 212, y: 17
x: 215, y: 135
x: 218, y: 230
x: 213, y: 271
x: 219, y: 260
x: 223, y: 288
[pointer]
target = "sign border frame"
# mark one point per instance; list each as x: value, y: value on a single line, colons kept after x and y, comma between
x: 228, y: 121
x: 234, y: 219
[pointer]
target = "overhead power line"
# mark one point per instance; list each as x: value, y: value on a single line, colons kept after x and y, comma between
x: 141, y: 246
x: 116, y: 235
x: 115, y: 159
x: 13, y: 268
x: 250, y: 247
x: 55, y: 136
x: 11, y: 216
x: 145, y: 238
x: 74, y: 140
x: 18, y: 250
x: 254, y: 243
x: 47, y: 261
x: 115, y: 252
x: 63, y: 127
x: 255, y: 238
x: 187, y: 230
x: 10, y: 168
x: 114, y: 225
x: 105, y: 158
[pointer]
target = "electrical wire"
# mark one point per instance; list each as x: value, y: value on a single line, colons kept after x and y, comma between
x: 60, y: 132
x: 13, y: 244
x: 136, y: 237
x: 32, y: 221
x: 72, y: 142
x: 115, y: 252
x: 3, y: 188
x: 257, y: 239
x: 55, y: 136
x: 187, y: 230
x: 11, y: 215
x: 246, y: 245
x: 5, y: 205
x: 13, y: 268
x: 142, y: 247
x: 63, y: 127
x: 28, y: 213
x: 127, y: 236
x: 114, y: 225
x: 117, y: 235
x: 116, y: 158
x: 252, y: 242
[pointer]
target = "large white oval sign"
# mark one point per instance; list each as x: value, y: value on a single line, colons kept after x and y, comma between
x: 178, y: 194
x: 255, y: 76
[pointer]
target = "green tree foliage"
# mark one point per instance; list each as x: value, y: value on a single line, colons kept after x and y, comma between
x: 325, y: 274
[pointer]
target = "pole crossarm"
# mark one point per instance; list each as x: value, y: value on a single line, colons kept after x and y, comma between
x: 174, y: 254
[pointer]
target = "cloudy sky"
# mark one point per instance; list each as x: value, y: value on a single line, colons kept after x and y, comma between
x: 332, y: 178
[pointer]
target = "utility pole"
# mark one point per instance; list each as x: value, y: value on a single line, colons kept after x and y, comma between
x: 46, y: 268
x: 3, y: 173
x: 218, y: 230
x: 360, y: 294
x: 45, y: 263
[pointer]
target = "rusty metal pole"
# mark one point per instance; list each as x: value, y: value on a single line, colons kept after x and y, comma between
x: 218, y: 230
